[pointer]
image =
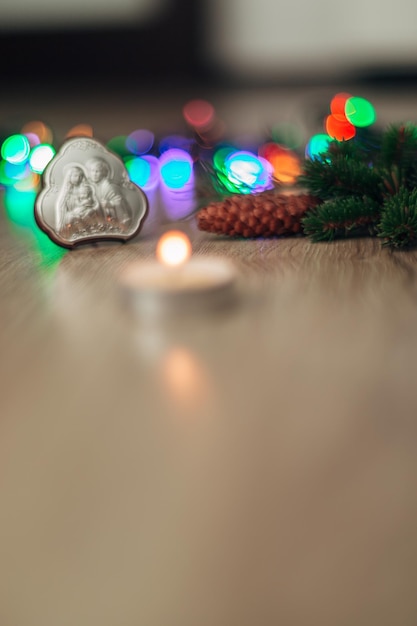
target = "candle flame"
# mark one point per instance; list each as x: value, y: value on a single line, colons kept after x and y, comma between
x: 174, y: 248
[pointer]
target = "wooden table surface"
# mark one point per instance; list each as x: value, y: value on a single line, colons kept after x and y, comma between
x: 253, y: 465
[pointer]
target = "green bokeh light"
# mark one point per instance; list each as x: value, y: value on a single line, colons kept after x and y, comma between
x: 20, y: 207
x: 118, y: 145
x: 5, y: 178
x: 226, y: 183
x: 49, y: 253
x: 220, y: 156
x: 15, y: 149
x: 360, y: 112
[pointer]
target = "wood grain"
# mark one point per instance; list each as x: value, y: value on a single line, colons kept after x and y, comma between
x: 254, y: 465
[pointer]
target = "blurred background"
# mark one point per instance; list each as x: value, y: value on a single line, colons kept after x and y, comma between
x: 207, y: 41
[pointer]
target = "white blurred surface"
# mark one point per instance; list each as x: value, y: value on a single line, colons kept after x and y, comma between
x: 269, y: 37
x: 26, y: 14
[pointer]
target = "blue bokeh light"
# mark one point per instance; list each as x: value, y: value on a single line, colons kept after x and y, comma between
x: 317, y: 145
x: 140, y: 141
x: 176, y: 168
x: 179, y: 142
x: 139, y: 171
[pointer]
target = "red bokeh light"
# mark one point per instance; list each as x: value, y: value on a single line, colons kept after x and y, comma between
x: 339, y: 129
x: 199, y: 114
x: 337, y: 106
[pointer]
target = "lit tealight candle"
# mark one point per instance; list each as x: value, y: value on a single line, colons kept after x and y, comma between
x: 173, y: 249
x: 177, y: 281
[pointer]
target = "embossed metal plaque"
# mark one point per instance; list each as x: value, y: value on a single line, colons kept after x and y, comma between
x: 87, y: 196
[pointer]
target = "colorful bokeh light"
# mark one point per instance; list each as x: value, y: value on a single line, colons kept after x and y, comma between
x: 5, y: 179
x: 29, y: 183
x: 220, y: 156
x: 15, y: 149
x: 199, y: 114
x: 118, y: 145
x: 176, y: 168
x: 17, y: 171
x: 171, y: 142
x: 337, y: 105
x: 317, y: 145
x: 285, y: 163
x: 38, y: 128
x: 80, y: 130
x: 140, y: 141
x: 286, y: 167
x: 360, y: 112
x: 139, y: 170
x: 33, y: 139
x: 247, y: 172
x: 19, y: 207
x: 339, y: 129
x: 40, y: 157
x: 155, y: 175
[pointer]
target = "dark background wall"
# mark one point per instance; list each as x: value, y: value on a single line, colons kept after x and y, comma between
x: 165, y: 49
x: 202, y: 42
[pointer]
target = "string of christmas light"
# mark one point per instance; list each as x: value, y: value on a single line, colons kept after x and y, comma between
x: 344, y: 167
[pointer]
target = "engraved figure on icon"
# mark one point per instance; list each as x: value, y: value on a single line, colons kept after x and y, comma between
x: 78, y: 209
x: 116, y: 209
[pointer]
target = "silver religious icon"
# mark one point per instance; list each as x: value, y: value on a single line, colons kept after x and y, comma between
x: 87, y: 196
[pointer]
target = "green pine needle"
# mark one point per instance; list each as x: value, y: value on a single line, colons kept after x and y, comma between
x: 398, y: 225
x: 345, y: 217
x: 340, y: 175
x: 399, y: 144
x: 363, y: 184
x: 398, y: 157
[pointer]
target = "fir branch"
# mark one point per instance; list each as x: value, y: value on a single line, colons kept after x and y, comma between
x: 398, y: 157
x: 346, y: 217
x: 399, y: 144
x: 339, y: 175
x: 398, y: 225
x: 358, y: 183
x: 368, y: 142
x: 350, y: 149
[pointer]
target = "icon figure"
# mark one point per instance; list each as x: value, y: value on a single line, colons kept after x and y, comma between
x: 116, y: 209
x: 78, y: 208
x: 87, y: 196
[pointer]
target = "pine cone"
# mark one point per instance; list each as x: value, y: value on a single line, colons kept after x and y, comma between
x: 260, y: 215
